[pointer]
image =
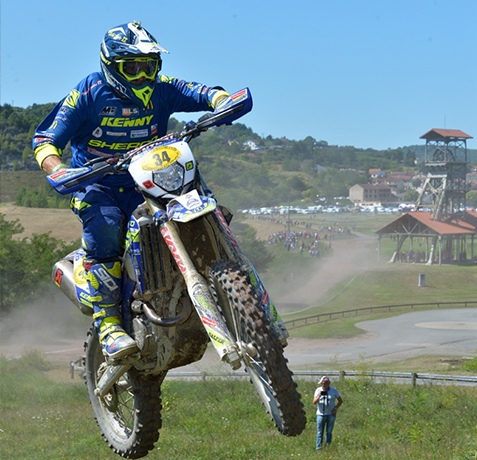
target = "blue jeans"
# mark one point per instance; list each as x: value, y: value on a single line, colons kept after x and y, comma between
x: 321, y: 421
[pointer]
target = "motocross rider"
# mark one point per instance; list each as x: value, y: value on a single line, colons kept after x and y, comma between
x: 122, y: 107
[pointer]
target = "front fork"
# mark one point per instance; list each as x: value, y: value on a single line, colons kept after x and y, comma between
x: 235, y: 253
x: 201, y: 297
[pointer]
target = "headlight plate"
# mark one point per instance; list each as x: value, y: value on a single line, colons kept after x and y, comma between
x: 170, y: 178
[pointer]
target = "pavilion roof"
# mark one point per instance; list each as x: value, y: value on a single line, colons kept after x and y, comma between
x: 421, y: 223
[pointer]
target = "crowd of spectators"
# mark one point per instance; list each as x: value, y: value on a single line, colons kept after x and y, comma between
x: 314, y: 240
x: 305, y: 242
x: 315, y: 244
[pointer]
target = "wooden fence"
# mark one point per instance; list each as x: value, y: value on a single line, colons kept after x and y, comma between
x: 323, y: 317
x: 400, y: 377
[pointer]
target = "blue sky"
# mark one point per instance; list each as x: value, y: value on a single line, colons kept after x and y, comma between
x: 369, y: 73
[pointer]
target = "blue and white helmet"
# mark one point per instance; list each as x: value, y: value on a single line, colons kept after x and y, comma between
x: 131, y: 60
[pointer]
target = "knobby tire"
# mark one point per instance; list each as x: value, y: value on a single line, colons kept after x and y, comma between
x: 267, y: 368
x: 129, y: 416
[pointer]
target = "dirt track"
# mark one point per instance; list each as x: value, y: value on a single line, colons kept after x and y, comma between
x: 349, y: 258
x: 58, y: 329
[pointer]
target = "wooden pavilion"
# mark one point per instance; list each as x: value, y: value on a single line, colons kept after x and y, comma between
x: 432, y: 241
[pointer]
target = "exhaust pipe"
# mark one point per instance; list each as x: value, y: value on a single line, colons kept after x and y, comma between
x: 63, y: 277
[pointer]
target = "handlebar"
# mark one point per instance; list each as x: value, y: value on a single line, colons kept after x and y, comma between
x: 235, y: 106
x: 71, y: 180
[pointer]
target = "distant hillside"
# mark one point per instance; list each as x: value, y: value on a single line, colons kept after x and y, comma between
x: 11, y: 182
x: 17, y: 126
x: 244, y: 169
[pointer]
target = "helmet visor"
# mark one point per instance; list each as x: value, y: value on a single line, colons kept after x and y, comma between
x: 133, y: 69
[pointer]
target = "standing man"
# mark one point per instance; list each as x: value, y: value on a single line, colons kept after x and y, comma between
x: 325, y: 398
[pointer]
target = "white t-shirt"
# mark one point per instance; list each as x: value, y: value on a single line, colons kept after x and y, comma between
x: 327, y: 402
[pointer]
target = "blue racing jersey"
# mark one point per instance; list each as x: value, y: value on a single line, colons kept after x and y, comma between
x: 100, y: 122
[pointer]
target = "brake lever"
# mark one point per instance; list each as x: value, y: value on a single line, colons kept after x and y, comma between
x: 191, y: 130
x: 94, y: 161
x: 114, y: 164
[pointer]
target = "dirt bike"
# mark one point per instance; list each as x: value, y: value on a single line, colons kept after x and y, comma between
x: 185, y: 283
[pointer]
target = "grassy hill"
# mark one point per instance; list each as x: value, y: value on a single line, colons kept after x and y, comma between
x: 11, y: 182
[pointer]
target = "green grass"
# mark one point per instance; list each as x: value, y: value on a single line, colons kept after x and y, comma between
x: 399, y: 285
x: 40, y: 418
x: 44, y: 420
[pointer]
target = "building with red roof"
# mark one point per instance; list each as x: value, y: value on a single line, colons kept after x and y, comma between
x: 449, y: 240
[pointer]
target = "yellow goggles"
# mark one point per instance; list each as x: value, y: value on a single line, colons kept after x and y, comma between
x: 135, y: 68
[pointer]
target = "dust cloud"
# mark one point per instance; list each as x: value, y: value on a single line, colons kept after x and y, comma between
x: 349, y: 258
x: 52, y: 325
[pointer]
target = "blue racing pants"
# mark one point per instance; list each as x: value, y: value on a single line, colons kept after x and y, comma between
x: 104, y: 213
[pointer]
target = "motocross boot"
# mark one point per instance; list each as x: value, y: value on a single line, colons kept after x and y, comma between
x: 104, y: 281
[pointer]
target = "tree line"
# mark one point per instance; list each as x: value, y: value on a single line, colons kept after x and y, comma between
x: 264, y: 172
x: 26, y: 263
x: 276, y: 171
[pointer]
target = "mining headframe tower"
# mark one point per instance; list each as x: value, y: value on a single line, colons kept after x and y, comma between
x: 440, y: 230
x: 445, y: 158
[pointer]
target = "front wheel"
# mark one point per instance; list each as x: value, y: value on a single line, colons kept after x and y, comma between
x: 260, y: 351
x: 129, y: 416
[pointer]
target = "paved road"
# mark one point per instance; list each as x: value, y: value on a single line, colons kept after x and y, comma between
x: 443, y: 332
x: 437, y: 332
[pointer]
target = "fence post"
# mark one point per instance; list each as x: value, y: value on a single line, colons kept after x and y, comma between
x: 414, y: 380
x: 342, y: 375
x: 203, y: 374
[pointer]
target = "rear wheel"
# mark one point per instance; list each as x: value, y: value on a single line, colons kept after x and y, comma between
x: 260, y: 351
x: 129, y: 416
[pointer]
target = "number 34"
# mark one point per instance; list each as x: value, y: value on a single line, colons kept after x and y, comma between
x: 161, y: 158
